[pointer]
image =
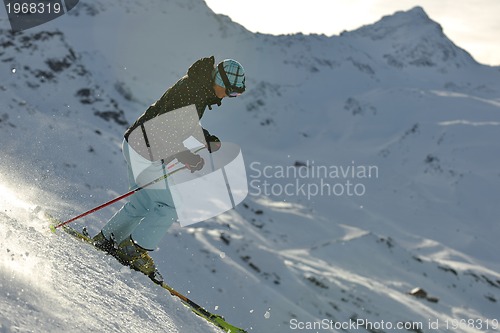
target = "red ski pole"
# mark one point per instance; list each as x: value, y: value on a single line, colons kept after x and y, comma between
x: 129, y: 193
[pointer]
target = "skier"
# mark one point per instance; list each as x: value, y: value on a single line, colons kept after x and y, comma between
x: 141, y: 223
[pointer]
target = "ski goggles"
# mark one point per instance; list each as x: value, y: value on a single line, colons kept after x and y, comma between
x: 231, y: 90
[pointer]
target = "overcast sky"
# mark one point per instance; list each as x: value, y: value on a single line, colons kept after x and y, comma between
x: 471, y: 24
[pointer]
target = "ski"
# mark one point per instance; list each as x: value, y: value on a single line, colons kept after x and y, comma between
x: 215, y: 319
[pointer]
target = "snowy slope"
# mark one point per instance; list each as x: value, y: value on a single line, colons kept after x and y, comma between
x: 57, y: 284
x: 396, y: 95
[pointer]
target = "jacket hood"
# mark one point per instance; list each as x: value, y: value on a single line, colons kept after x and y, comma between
x: 201, y: 71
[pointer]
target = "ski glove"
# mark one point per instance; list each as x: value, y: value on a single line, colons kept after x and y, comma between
x: 191, y: 161
x: 213, y: 143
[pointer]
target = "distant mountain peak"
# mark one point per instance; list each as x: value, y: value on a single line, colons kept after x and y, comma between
x: 401, y: 21
x: 411, y: 38
x: 415, y: 12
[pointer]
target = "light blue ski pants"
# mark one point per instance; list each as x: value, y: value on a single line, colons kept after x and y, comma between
x: 146, y: 217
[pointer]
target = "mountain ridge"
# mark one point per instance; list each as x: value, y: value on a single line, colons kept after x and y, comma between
x: 428, y: 46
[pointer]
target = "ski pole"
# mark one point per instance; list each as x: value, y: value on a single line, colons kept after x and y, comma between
x: 123, y: 196
x: 129, y: 193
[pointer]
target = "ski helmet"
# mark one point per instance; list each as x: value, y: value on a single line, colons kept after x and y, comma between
x: 230, y: 75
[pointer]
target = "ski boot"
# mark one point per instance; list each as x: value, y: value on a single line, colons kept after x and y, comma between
x: 131, y: 254
x: 104, y: 244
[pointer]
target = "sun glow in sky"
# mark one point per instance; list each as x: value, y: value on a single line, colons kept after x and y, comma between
x: 473, y: 25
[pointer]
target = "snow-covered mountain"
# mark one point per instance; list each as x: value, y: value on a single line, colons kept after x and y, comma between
x: 372, y: 160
